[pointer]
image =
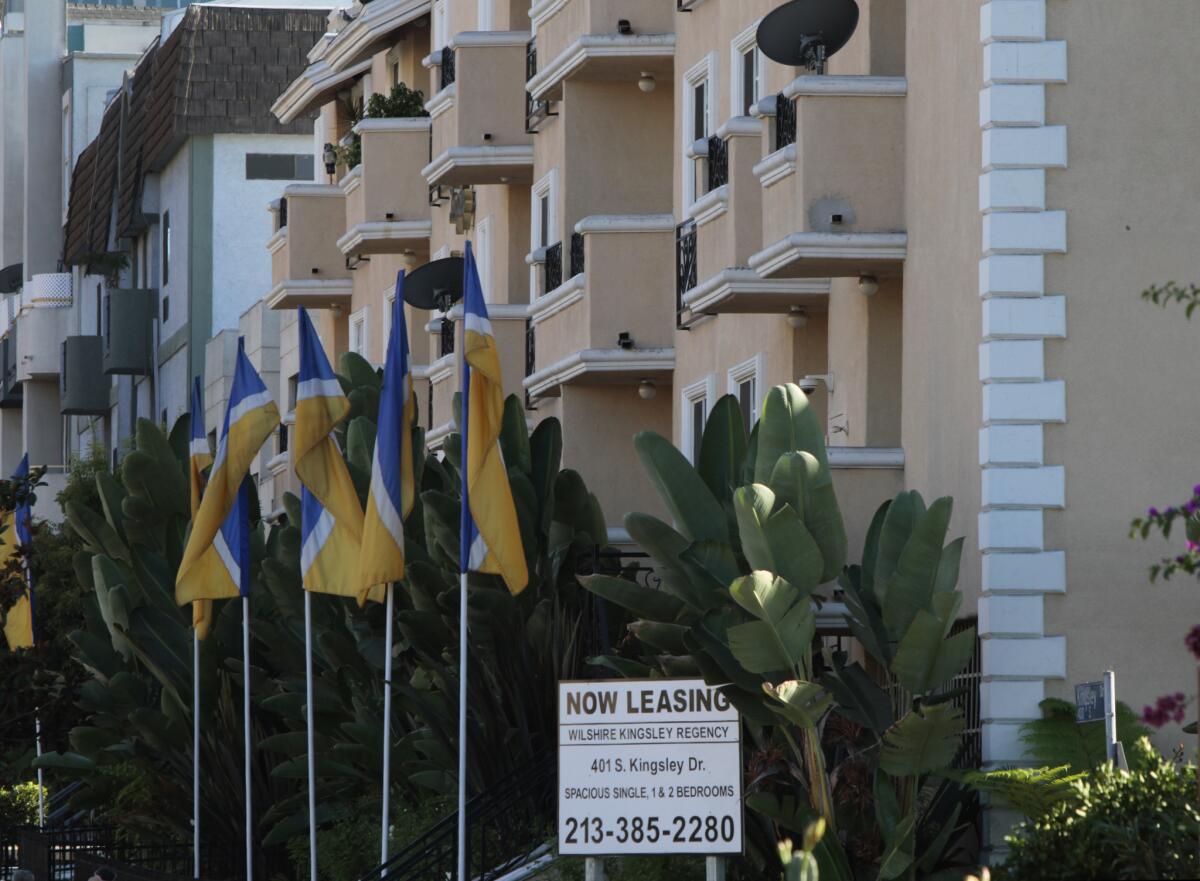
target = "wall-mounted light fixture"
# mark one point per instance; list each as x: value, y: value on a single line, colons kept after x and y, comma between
x: 868, y: 285
x: 647, y: 82
x: 796, y: 317
x: 647, y: 390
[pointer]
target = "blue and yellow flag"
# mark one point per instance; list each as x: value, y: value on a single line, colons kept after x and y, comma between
x: 490, y: 540
x: 19, y: 620
x: 216, y: 561
x: 330, y: 512
x: 392, y: 490
x: 199, y: 458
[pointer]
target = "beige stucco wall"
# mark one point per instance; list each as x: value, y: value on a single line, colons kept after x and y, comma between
x: 941, y: 398
x: 1129, y: 441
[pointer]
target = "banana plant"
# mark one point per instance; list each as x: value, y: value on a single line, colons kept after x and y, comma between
x: 135, y: 749
x: 755, y: 550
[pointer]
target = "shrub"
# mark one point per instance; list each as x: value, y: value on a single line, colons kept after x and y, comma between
x: 19, y: 805
x: 1142, y: 824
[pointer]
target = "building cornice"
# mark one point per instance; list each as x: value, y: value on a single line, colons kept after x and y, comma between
x: 600, y: 361
x: 383, y: 231
x: 891, y: 458
x: 709, y: 207
x: 562, y: 297
x: 713, y: 291
x: 320, y: 290
x: 408, y: 124
x: 599, y: 224
x: 441, y: 101
x: 776, y: 166
x: 318, y: 80
x: 854, y: 246
x: 592, y: 46
x: 487, y: 39
x: 322, y: 190
x: 477, y: 157
x: 277, y: 241
x: 847, y: 86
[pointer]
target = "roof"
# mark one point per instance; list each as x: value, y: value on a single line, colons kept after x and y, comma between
x: 218, y: 72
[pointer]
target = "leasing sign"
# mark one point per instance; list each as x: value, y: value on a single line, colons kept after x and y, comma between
x: 648, y: 767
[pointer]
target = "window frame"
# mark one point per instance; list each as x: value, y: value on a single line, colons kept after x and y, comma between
x: 742, y: 44
x: 703, y: 389
x: 360, y: 321
x: 439, y: 24
x: 546, y: 188
x: 752, y: 370
x: 485, y: 15
x: 703, y: 71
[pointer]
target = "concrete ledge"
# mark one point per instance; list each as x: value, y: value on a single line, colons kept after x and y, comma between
x: 594, y: 46
x: 1004, y: 700
x: 1010, y: 445
x: 1043, y: 487
x: 1012, y: 105
x: 1043, y: 572
x: 1012, y: 190
x: 1016, y: 20
x: 1012, y: 275
x: 1025, y: 62
x: 1024, y: 318
x: 1041, y: 147
x: 1043, y: 657
x: 1010, y: 616
x: 1025, y: 402
x: 1012, y: 361
x: 1011, y: 530
x: 640, y: 362
x: 1042, y: 232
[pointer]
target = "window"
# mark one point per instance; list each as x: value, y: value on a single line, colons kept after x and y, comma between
x: 279, y: 166
x: 395, y: 73
x: 166, y: 247
x: 745, y: 384
x: 543, y: 222
x: 293, y: 387
x: 697, y: 401
x: 747, y: 68
x: 358, y: 332
x: 699, y: 84
x: 166, y: 309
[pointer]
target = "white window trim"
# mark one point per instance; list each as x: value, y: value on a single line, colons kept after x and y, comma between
x: 361, y: 317
x: 440, y: 24
x: 547, y: 186
x: 743, y: 43
x: 704, y: 69
x: 484, y: 244
x: 705, y: 388
x: 752, y: 368
x: 385, y: 323
x: 486, y: 15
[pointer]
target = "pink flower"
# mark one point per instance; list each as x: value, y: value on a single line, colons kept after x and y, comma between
x: 1192, y: 641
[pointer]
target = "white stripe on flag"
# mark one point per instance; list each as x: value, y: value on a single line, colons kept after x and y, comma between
x: 315, y: 542
x: 479, y: 552
x: 318, y: 388
x: 478, y: 324
x: 227, y: 558
x: 385, y: 506
x: 248, y: 403
x: 199, y: 446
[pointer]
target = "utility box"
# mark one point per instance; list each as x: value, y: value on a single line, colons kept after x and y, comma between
x: 83, y: 386
x: 128, y: 318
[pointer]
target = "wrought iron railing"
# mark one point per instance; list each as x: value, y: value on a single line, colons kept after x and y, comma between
x: 785, y: 121
x: 530, y: 358
x: 447, y: 70
x: 552, y: 268
x: 281, y: 215
x: 505, y: 825
x: 577, y: 264
x: 718, y: 162
x: 446, y: 338
x: 685, y: 265
x: 630, y: 565
x: 55, y: 854
x: 536, y: 110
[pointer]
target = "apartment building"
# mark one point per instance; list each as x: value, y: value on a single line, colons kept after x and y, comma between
x: 165, y: 257
x: 663, y: 215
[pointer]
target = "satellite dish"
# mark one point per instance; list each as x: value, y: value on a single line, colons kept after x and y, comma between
x: 803, y: 33
x: 437, y: 285
x: 11, y: 278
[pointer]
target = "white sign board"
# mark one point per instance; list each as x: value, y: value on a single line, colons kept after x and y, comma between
x: 648, y: 766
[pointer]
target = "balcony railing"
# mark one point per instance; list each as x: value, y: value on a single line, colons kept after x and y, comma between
x: 447, y: 67
x: 685, y: 265
x: 718, y: 162
x: 577, y: 266
x: 785, y: 122
x: 446, y: 338
x: 281, y: 215
x: 537, y: 110
x: 553, y: 268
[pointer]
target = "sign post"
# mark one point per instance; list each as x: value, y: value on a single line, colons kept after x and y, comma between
x: 648, y: 766
x: 1096, y: 702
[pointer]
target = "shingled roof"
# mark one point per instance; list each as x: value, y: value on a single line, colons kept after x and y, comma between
x: 218, y: 72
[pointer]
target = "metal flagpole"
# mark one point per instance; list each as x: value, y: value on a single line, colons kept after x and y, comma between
x: 311, y: 714
x: 387, y: 730
x: 37, y: 715
x: 462, y: 726
x: 195, y: 754
x: 246, y: 733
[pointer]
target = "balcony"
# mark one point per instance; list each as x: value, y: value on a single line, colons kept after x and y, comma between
x: 11, y: 392
x: 609, y: 322
x: 128, y: 322
x: 83, y: 387
x: 478, y: 115
x: 307, y: 267
x: 833, y: 198
x: 387, y: 199
x: 601, y: 40
x: 42, y: 319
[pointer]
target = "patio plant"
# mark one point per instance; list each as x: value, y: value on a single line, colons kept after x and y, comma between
x: 757, y: 541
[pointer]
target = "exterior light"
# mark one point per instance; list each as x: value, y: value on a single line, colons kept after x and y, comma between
x: 625, y: 340
x: 868, y: 285
x: 624, y: 28
x: 647, y: 390
x: 647, y: 82
x: 329, y: 157
x: 796, y: 318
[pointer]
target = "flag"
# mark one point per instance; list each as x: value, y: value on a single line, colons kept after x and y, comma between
x: 19, y: 621
x: 199, y: 458
x: 330, y: 512
x: 392, y: 483
x: 216, y: 561
x: 490, y: 540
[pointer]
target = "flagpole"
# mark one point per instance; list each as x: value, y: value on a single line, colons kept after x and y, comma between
x: 37, y: 711
x: 387, y: 729
x: 246, y: 733
x: 462, y: 726
x: 195, y: 754
x: 37, y: 726
x: 311, y: 714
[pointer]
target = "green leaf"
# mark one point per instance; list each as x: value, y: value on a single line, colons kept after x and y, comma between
x: 911, y: 587
x: 787, y: 424
x: 723, y: 448
x: 774, y: 538
x: 666, y: 637
x: 642, y: 602
x: 947, y: 572
x: 899, y: 519
x: 922, y: 742
x: 514, y: 437
x: 360, y: 442
x: 781, y: 638
x: 859, y: 698
x: 691, y: 503
x: 801, y: 703
x: 925, y: 660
